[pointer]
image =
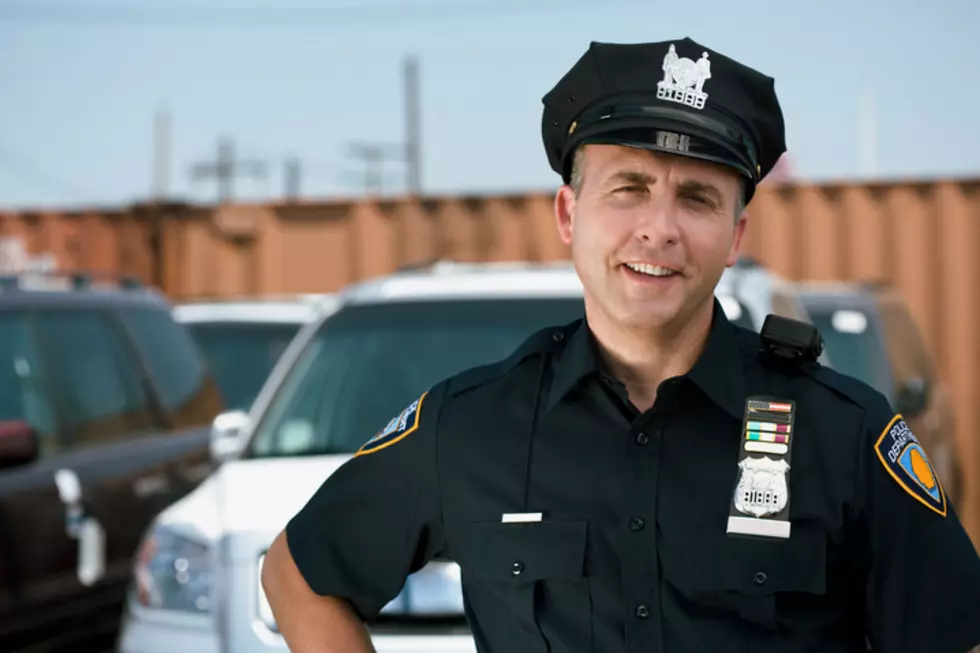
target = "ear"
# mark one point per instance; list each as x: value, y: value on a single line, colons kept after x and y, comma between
x: 564, y: 212
x: 740, y: 224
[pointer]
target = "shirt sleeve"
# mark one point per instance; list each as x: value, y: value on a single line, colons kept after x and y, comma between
x: 923, y: 583
x: 377, y: 518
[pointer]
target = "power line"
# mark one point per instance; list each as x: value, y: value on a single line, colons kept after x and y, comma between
x: 129, y: 16
x: 225, y: 168
x: 23, y: 168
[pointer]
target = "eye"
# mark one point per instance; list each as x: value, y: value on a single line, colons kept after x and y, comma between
x: 701, y: 200
x: 634, y: 188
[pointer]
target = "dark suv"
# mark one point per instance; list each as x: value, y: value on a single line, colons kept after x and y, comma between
x: 105, y: 412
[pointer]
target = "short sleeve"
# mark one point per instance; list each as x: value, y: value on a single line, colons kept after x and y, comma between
x: 377, y: 518
x: 923, y: 584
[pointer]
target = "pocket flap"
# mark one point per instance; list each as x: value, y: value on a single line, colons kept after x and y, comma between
x: 547, y: 550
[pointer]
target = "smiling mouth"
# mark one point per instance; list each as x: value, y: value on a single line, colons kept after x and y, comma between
x: 651, y: 270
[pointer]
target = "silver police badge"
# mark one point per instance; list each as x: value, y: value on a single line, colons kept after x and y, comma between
x: 761, y: 488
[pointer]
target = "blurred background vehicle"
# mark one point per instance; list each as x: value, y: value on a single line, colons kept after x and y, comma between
x: 870, y: 334
x: 243, y: 338
x: 378, y: 345
x: 105, y: 409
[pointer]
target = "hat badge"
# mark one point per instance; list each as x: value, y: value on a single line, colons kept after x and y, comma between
x: 684, y: 79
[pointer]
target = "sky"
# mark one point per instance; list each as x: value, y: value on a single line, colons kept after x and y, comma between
x: 83, y: 79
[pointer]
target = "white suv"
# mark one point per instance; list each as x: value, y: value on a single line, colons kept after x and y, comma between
x: 196, y: 584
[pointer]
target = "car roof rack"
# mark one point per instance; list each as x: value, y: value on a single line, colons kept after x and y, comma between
x: 67, y: 280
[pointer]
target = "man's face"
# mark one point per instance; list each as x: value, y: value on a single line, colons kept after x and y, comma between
x: 650, y: 233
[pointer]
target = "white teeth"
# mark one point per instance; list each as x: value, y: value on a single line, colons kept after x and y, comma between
x: 652, y: 270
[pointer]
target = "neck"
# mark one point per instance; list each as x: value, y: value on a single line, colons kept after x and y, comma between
x: 642, y: 358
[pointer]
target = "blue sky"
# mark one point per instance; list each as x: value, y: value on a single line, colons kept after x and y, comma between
x: 79, y: 96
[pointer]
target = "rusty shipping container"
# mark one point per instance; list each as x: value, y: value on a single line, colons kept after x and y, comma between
x: 922, y: 237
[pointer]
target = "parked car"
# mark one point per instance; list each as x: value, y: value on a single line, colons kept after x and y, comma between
x: 243, y: 338
x: 105, y: 409
x: 870, y: 335
x: 382, y: 343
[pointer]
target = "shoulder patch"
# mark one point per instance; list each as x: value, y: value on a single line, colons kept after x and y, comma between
x: 399, y: 428
x: 907, y: 463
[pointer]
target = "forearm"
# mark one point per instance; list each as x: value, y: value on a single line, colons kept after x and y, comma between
x: 308, y: 622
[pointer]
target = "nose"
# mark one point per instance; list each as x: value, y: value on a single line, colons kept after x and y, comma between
x: 658, y: 224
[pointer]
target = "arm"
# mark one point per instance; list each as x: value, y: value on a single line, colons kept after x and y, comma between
x: 308, y: 622
x: 923, y: 580
x: 347, y: 552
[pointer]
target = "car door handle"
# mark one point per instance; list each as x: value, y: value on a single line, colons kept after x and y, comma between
x: 151, y: 485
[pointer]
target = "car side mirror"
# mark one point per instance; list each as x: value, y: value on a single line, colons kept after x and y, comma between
x: 228, y: 434
x: 18, y: 443
x: 912, y: 397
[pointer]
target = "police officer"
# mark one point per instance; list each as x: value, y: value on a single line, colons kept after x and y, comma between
x: 651, y: 478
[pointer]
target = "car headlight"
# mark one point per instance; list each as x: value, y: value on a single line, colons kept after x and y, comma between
x: 433, y: 591
x: 173, y: 572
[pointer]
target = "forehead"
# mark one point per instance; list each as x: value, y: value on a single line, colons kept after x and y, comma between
x: 609, y: 160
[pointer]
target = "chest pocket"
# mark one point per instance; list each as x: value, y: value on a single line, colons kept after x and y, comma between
x: 757, y: 577
x: 513, y: 574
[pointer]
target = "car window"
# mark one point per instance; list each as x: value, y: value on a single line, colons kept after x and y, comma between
x: 853, y: 344
x: 23, y: 393
x: 366, y: 363
x: 177, y: 367
x: 241, y: 355
x: 95, y: 376
x: 908, y: 352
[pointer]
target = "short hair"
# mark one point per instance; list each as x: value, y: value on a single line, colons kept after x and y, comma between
x: 576, y: 179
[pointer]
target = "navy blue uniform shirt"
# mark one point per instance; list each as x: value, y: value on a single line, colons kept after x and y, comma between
x: 631, y: 552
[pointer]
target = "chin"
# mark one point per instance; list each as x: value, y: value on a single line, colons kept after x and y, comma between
x: 647, y: 317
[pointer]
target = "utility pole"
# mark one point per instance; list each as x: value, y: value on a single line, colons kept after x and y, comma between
x: 161, y: 153
x: 225, y: 168
x: 291, y: 176
x: 867, y: 133
x: 413, y: 125
x: 374, y: 154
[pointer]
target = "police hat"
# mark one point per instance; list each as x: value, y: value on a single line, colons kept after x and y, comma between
x: 678, y: 97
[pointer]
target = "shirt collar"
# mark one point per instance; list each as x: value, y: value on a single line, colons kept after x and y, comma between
x: 718, y: 371
x: 578, y: 360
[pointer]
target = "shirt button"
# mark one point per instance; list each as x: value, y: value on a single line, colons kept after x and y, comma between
x: 637, y: 524
x: 517, y: 568
x: 642, y: 611
x: 642, y: 438
x: 760, y: 578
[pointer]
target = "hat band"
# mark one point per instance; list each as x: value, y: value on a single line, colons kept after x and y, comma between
x: 737, y: 142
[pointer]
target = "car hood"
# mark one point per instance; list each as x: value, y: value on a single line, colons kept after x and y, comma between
x: 257, y: 496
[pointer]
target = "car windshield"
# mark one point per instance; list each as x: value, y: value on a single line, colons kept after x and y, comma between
x: 241, y: 355
x: 366, y: 363
x: 852, y: 344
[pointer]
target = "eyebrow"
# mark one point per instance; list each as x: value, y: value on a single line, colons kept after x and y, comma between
x: 646, y: 179
x: 631, y: 177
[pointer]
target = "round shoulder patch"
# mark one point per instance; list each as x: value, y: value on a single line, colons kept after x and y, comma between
x: 401, y: 426
x: 907, y: 463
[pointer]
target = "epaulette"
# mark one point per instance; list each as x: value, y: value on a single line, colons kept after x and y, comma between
x: 853, y: 390
x: 550, y: 340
